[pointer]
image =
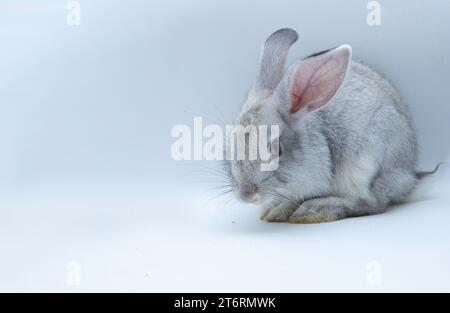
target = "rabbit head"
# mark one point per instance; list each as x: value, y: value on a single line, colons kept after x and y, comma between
x: 283, y: 99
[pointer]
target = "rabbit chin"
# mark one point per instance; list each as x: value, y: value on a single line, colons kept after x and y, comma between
x: 255, y: 198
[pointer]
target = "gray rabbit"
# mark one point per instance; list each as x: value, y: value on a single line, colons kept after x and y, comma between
x: 347, y: 145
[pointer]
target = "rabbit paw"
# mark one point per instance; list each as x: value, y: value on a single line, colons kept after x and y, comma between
x: 268, y: 207
x: 320, y: 210
x: 277, y: 211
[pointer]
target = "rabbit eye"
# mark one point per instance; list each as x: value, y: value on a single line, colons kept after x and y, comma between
x: 280, y: 149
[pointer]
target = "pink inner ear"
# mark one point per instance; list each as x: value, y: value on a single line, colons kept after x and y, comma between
x: 317, y: 79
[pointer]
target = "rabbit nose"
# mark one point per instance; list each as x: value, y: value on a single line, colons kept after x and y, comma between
x: 256, y: 198
x: 250, y: 195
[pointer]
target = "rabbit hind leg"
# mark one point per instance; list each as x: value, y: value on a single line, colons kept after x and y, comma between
x: 386, y: 188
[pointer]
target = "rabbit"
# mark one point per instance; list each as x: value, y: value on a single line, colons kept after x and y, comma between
x: 347, y: 145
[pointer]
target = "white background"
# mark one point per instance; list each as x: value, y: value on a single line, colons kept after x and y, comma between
x: 86, y: 173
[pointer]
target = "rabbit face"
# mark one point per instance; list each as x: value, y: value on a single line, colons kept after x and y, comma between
x: 251, y: 181
x: 252, y: 135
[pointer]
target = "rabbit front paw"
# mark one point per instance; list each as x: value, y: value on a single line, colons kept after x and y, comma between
x: 320, y: 210
x: 277, y: 211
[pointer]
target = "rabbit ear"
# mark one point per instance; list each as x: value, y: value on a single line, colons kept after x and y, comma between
x: 313, y: 81
x: 272, y: 59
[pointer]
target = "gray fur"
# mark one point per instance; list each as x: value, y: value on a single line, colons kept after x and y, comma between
x: 355, y: 156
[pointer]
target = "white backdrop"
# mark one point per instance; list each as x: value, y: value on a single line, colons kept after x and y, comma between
x: 86, y: 112
x: 98, y: 101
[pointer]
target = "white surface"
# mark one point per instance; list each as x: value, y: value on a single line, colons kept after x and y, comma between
x: 185, y: 243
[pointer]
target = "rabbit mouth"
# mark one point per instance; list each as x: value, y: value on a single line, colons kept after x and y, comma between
x: 250, y: 197
x: 255, y: 198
